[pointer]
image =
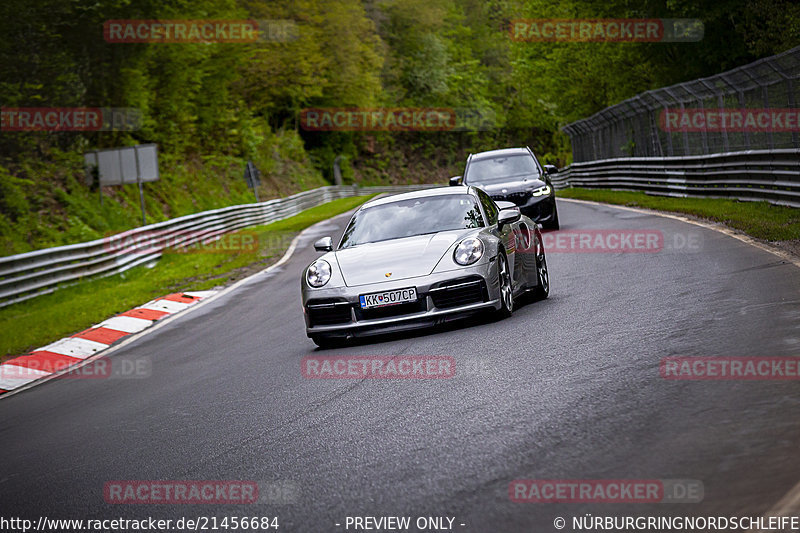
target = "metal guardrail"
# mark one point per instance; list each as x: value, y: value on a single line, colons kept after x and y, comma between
x: 771, y: 175
x: 753, y: 175
x: 31, y: 274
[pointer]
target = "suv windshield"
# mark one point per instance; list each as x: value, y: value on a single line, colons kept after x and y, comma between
x: 417, y: 216
x: 500, y: 168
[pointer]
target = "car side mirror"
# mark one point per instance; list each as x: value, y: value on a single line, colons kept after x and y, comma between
x: 325, y: 244
x: 507, y: 216
x: 551, y: 169
x: 456, y: 180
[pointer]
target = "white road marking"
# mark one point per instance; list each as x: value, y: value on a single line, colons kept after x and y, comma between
x: 128, y: 324
x: 200, y: 294
x: 165, y: 305
x: 789, y: 505
x: 714, y: 227
x: 13, y: 376
x: 73, y: 347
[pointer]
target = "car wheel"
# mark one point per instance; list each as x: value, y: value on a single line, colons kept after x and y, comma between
x: 506, y: 290
x: 553, y: 224
x: 542, y: 289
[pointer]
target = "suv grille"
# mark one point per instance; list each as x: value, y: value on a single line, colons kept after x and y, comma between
x: 519, y: 198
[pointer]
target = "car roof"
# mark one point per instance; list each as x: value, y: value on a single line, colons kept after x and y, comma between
x: 424, y: 193
x: 500, y: 153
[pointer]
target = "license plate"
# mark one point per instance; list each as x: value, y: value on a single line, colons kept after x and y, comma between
x: 382, y: 299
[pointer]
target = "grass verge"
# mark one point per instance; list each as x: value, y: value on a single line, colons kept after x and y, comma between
x: 761, y: 220
x: 39, y: 321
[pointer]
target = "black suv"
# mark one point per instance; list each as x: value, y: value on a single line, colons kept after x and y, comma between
x: 514, y: 175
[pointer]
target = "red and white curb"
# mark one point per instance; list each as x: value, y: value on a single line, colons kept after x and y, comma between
x: 58, y: 357
x: 61, y: 356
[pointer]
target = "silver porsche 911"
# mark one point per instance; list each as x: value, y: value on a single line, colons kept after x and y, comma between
x: 419, y: 259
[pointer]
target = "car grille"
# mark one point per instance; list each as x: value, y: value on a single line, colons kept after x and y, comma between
x: 421, y: 305
x: 519, y: 198
x: 326, y: 312
x: 459, y: 292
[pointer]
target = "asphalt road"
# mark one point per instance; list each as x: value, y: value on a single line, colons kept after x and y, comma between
x: 568, y: 388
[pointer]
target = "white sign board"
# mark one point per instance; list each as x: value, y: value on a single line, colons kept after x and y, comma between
x: 124, y: 165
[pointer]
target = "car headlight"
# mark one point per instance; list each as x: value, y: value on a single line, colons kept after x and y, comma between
x: 319, y: 273
x: 541, y: 191
x: 468, y: 251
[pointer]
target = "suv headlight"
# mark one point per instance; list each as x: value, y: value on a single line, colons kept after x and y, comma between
x: 541, y: 191
x: 468, y: 251
x: 318, y: 273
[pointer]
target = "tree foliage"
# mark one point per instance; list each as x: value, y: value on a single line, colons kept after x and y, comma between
x: 215, y: 99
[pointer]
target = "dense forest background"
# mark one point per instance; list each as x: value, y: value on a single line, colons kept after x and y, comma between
x: 210, y: 107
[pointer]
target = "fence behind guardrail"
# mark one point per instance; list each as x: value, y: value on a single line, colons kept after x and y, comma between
x: 753, y: 107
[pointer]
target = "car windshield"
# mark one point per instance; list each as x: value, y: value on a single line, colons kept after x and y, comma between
x: 500, y: 168
x: 417, y: 216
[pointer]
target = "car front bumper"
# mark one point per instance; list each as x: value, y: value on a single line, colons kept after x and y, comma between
x: 441, y: 297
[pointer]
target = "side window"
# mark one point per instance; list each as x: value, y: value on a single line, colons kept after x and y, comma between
x: 488, y: 207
